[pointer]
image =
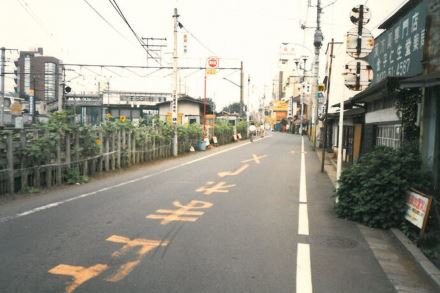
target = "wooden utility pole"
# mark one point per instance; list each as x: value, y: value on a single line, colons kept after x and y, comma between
x: 326, y: 104
x: 317, y: 42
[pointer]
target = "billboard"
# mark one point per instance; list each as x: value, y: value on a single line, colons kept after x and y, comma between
x: 280, y: 106
x: 399, y: 50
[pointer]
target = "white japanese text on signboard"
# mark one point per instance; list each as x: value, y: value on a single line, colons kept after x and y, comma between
x: 399, y: 50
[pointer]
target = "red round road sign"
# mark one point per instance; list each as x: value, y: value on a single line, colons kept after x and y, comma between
x: 213, y: 62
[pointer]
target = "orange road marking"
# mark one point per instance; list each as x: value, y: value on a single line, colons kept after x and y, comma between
x: 216, y: 188
x: 80, y: 274
x: 184, y: 210
x: 146, y: 245
x: 235, y: 173
x: 123, y: 271
x: 255, y: 158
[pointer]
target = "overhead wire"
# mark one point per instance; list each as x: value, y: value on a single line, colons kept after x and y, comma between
x: 198, y: 40
x: 106, y: 21
x: 330, y: 4
x: 39, y: 22
x: 139, y: 39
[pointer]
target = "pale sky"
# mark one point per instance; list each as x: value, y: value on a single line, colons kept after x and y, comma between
x: 234, y: 30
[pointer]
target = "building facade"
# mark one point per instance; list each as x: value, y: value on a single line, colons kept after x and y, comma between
x: 39, y: 79
x: 397, y: 55
x: 429, y: 83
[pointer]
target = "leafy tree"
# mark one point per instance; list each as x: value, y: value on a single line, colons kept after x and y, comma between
x: 232, y: 108
x: 210, y: 102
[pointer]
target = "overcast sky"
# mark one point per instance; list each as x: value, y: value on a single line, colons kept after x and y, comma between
x: 234, y: 30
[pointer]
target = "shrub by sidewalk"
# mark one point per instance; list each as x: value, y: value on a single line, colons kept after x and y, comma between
x: 373, y: 192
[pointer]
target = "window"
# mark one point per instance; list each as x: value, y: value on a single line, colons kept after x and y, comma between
x: 49, y: 81
x: 388, y: 135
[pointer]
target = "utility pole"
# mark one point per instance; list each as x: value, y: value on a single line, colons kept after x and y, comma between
x: 241, y: 90
x: 317, y: 42
x: 2, y: 97
x: 327, y: 102
x: 175, y: 77
x: 302, y: 81
x: 248, y: 107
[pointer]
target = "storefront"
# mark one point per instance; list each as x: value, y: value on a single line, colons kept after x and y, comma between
x: 351, y: 136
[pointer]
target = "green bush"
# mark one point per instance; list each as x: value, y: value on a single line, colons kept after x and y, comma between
x: 74, y: 176
x: 373, y: 191
x: 242, y: 128
x: 224, y: 132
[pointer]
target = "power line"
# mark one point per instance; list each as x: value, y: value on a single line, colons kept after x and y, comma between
x: 143, y: 67
x: 197, y: 39
x: 330, y: 4
x: 106, y: 21
x: 38, y: 21
x: 121, y: 14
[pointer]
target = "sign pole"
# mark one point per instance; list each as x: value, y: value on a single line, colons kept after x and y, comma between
x: 211, y: 66
x: 204, y: 110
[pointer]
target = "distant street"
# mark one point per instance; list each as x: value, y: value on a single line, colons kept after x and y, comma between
x: 240, y: 218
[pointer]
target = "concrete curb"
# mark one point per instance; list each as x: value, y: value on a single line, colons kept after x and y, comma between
x: 424, y: 263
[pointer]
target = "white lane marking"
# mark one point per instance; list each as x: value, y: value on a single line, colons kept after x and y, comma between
x: 302, y: 183
x: 303, y: 269
x: 55, y: 204
x: 303, y: 222
x: 39, y: 209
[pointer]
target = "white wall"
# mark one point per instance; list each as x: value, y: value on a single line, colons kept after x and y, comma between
x: 187, y: 108
x: 384, y: 115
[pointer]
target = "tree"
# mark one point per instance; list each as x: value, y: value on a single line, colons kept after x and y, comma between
x: 232, y: 108
x: 210, y: 102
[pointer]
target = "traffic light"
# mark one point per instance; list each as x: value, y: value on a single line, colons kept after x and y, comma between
x: 321, y: 88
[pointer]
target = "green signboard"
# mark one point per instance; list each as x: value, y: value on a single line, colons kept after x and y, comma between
x: 398, y: 51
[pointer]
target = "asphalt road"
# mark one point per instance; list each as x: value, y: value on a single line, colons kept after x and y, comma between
x: 234, y: 219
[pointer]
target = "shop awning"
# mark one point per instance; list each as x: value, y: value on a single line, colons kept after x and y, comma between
x: 347, y: 113
x: 378, y: 90
x: 428, y: 80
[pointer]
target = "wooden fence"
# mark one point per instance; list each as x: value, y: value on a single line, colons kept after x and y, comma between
x: 70, y: 157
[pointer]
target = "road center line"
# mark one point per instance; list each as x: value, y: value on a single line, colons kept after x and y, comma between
x: 303, y: 269
x: 58, y: 203
x: 303, y: 186
x: 303, y: 266
x: 303, y: 221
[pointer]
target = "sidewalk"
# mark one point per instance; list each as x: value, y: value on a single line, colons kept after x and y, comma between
x: 402, y: 262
